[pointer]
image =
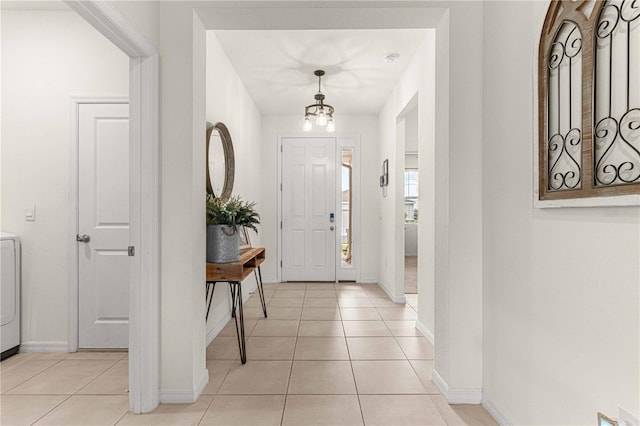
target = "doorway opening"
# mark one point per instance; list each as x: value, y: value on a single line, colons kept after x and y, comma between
x: 144, y: 292
x: 319, y: 208
x: 408, y: 200
x: 411, y: 201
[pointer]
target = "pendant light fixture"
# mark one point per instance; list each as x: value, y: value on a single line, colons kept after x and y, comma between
x: 322, y: 112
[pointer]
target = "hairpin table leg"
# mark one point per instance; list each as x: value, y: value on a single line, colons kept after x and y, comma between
x: 211, y: 286
x: 239, y: 319
x: 258, y: 276
x: 233, y: 300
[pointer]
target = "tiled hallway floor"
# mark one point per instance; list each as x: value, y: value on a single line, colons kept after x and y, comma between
x: 328, y: 354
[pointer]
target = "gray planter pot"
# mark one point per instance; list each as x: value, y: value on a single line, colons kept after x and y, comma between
x: 222, y: 244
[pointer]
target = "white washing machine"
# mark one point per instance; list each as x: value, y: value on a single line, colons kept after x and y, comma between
x: 10, y: 294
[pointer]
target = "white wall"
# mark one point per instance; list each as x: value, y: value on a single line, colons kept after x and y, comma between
x: 229, y: 102
x: 144, y: 15
x: 182, y: 150
x: 365, y: 126
x: 407, y: 120
x: 450, y: 230
x: 561, y: 311
x: 411, y: 136
x: 47, y: 57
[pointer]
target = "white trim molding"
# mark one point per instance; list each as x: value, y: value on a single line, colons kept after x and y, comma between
x: 144, y: 300
x: 181, y: 396
x: 456, y: 395
x: 29, y: 347
x: 394, y: 299
x: 425, y: 332
x: 74, y: 197
x: 500, y: 416
x: 105, y: 18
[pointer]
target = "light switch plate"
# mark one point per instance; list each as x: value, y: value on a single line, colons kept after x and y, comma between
x: 30, y: 214
x: 627, y: 418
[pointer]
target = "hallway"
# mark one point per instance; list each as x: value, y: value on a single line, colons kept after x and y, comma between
x: 328, y: 354
x: 333, y: 354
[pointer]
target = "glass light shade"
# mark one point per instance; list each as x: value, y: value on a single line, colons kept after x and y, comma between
x: 331, y: 125
x: 321, y: 118
x: 306, y: 127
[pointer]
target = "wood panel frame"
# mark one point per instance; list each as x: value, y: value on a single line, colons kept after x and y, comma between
x: 559, y: 12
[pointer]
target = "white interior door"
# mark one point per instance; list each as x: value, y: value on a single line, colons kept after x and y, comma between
x: 103, y: 216
x: 308, y: 209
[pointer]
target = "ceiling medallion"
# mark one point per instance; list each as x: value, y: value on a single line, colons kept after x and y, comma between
x: 321, y: 111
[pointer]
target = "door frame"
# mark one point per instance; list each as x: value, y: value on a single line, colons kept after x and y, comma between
x: 74, y: 210
x: 144, y: 296
x: 342, y: 141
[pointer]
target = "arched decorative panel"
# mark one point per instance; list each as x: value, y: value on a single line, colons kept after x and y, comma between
x: 617, y: 94
x: 564, y: 109
x: 589, y: 99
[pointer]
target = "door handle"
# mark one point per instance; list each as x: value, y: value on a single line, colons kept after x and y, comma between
x: 84, y: 238
x: 332, y: 228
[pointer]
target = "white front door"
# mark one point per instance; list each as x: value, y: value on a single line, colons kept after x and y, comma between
x: 103, y: 216
x: 308, y: 209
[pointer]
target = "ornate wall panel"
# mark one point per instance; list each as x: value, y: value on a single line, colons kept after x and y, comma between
x: 589, y: 99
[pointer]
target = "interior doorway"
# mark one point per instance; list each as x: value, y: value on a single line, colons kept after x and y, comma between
x: 411, y: 203
x: 102, y: 127
x: 144, y: 294
x: 408, y: 201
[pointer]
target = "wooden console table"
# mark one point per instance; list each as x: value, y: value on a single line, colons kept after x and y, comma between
x: 234, y: 273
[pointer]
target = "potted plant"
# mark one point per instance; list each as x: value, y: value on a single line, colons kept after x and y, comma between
x: 223, y: 220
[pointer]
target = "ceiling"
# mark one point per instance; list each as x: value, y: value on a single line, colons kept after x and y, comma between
x: 277, y: 66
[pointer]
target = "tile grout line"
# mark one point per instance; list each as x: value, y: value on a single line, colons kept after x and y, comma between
x: 122, y: 417
x: 213, y: 398
x: 353, y: 372
x: 50, y: 411
x: 100, y: 375
x: 31, y: 377
x: 293, y: 356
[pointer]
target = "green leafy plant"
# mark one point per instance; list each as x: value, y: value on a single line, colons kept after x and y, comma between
x: 232, y: 212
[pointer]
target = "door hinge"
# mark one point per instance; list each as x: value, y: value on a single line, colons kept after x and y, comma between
x: 280, y: 187
x: 281, y: 263
x: 131, y: 250
x: 280, y: 148
x: 280, y: 224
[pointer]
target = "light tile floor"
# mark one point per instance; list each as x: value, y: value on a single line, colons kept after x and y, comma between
x: 328, y: 354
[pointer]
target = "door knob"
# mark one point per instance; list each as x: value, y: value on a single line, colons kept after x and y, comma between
x: 84, y: 238
x: 332, y: 228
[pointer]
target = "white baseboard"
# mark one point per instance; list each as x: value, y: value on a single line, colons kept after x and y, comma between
x: 500, y: 416
x: 425, y: 332
x: 44, y: 347
x: 185, y: 396
x: 456, y: 395
x: 394, y: 299
x: 368, y: 281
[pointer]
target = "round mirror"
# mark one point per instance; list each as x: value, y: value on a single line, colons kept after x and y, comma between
x: 220, y: 161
